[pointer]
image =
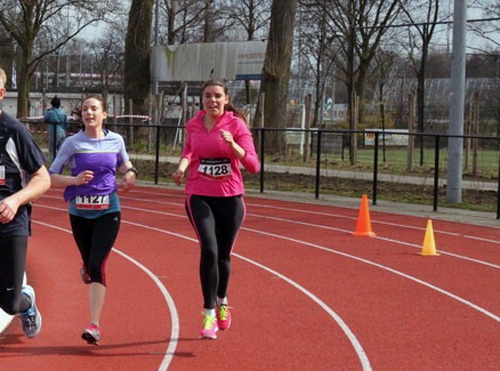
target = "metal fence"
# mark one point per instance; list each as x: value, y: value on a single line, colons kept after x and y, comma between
x: 316, y: 161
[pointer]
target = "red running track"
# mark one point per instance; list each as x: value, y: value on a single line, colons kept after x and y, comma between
x: 305, y: 293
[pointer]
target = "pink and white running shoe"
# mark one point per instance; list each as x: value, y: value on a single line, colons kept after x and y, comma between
x: 210, y: 328
x: 91, y: 334
x: 223, y: 317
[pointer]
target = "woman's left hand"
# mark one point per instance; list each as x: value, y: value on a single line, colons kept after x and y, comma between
x: 227, y: 137
x: 128, y: 181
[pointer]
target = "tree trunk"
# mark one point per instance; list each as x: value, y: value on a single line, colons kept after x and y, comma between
x: 137, y: 51
x: 276, y: 71
x: 23, y: 81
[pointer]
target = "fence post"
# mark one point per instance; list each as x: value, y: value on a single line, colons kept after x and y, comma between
x: 318, y: 165
x: 262, y: 148
x: 498, y: 190
x: 130, y: 138
x: 436, y: 173
x: 411, y: 130
x: 375, y: 169
x: 308, y: 126
x: 157, y: 153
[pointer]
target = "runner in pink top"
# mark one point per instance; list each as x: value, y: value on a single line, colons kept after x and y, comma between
x: 218, y: 142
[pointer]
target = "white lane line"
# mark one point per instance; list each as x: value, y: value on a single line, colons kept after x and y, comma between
x: 402, y: 274
x: 249, y: 202
x: 174, y: 317
x: 414, y: 279
x: 340, y: 216
x: 365, y: 362
x: 496, y: 318
x: 307, y: 224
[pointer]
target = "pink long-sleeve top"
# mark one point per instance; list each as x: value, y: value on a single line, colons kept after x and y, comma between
x: 214, y: 168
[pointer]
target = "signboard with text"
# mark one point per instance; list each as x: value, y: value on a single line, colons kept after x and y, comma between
x: 199, y: 62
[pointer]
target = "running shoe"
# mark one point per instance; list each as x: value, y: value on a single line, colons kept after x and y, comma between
x: 210, y: 328
x: 85, y: 275
x: 92, y: 334
x: 223, y: 317
x: 31, y: 319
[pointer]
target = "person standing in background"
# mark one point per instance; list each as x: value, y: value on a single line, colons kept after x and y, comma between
x: 94, y: 155
x: 23, y: 178
x: 58, y: 123
x: 218, y: 141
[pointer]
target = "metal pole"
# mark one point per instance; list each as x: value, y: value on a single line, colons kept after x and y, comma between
x: 262, y: 150
x: 436, y: 173
x: 318, y: 165
x: 498, y: 190
x: 375, y: 169
x: 421, y: 95
x: 457, y: 101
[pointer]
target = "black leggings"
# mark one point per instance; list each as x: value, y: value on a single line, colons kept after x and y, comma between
x: 95, y: 239
x: 216, y: 221
x: 12, y: 265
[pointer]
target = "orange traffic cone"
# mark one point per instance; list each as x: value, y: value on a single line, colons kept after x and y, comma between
x: 364, y: 226
x: 429, y: 247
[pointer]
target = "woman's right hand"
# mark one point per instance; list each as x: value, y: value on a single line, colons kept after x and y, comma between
x: 84, y: 177
x: 177, y: 176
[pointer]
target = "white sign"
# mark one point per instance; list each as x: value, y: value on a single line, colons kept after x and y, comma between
x: 392, y: 138
x: 199, y: 62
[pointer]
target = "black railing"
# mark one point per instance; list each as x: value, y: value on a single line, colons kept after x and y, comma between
x: 162, y: 139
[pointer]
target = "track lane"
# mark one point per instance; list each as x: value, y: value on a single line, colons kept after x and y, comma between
x: 274, y: 227
x: 267, y: 351
x: 341, y: 298
x: 273, y: 326
x: 62, y: 299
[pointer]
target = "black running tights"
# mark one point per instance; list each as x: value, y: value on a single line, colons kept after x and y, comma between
x: 95, y: 239
x: 216, y: 221
x: 12, y: 264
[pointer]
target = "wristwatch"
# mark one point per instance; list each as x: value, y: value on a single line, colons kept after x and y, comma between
x: 134, y: 170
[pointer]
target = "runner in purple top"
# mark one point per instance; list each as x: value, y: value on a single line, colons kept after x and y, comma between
x: 93, y: 157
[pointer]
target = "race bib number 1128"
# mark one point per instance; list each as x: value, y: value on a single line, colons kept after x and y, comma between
x: 215, y: 168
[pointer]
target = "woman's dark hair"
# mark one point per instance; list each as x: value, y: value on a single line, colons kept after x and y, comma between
x: 96, y: 97
x: 229, y: 106
x: 55, y: 102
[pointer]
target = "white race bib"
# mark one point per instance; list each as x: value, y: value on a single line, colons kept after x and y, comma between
x: 2, y: 174
x: 215, y: 168
x: 92, y: 202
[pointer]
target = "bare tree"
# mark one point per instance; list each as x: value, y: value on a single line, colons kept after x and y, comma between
x: 318, y: 47
x: 276, y: 70
x: 253, y: 17
x: 385, y: 62
x: 7, y: 52
x: 361, y: 25
x: 488, y: 29
x: 57, y: 20
x: 109, y: 59
x: 182, y: 19
x: 429, y: 11
x: 137, y: 51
